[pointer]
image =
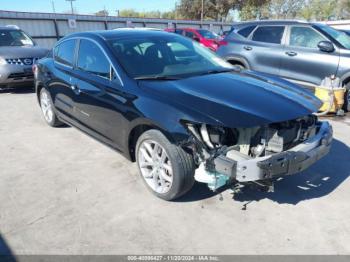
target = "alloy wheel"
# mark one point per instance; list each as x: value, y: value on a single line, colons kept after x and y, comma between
x: 46, y: 107
x: 155, y: 166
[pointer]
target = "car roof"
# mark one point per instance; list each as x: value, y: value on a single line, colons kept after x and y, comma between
x: 8, y: 28
x: 120, y: 33
x: 271, y: 22
x: 138, y: 28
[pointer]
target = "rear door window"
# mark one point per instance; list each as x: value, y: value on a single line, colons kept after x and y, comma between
x: 269, y: 34
x: 245, y: 32
x: 64, y: 52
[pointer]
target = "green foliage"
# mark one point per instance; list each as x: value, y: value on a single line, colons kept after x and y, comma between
x: 102, y: 13
x: 320, y: 9
x: 129, y: 13
x: 221, y: 10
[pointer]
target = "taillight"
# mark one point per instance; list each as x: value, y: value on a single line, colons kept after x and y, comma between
x: 223, y: 42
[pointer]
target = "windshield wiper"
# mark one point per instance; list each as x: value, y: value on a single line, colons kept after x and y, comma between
x: 218, y: 71
x: 157, y: 78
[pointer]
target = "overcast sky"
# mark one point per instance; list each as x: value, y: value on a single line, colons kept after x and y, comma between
x: 86, y: 6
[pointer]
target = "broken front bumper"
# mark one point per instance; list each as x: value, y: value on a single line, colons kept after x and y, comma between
x: 288, y: 162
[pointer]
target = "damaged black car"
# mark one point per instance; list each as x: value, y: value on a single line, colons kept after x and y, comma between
x: 178, y: 110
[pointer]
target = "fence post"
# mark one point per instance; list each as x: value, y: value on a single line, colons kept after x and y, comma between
x: 56, y: 29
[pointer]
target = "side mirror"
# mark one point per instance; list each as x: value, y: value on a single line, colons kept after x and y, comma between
x: 326, y: 46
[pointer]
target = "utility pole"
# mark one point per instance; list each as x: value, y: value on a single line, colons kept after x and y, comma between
x: 71, y: 5
x: 175, y: 10
x: 202, y: 13
x: 53, y: 7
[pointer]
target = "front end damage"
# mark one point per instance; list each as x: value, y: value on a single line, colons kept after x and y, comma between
x: 257, y: 154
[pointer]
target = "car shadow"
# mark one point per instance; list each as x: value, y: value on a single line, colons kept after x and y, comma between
x: 318, y: 181
x: 6, y: 254
x: 199, y: 191
x: 17, y: 90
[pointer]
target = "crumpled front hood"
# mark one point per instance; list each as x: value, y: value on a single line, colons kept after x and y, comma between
x: 22, y: 52
x: 237, y: 99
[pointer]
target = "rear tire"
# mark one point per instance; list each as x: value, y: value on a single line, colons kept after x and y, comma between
x: 166, y: 169
x: 47, y: 109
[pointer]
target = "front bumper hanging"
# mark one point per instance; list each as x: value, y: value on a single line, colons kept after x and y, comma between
x: 288, y: 162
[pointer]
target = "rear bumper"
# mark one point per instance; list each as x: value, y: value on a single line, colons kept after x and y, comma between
x: 289, y: 162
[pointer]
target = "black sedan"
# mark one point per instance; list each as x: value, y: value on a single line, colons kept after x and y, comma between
x: 179, y: 110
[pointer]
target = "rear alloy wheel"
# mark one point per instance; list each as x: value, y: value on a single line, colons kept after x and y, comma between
x: 166, y: 169
x: 47, y: 109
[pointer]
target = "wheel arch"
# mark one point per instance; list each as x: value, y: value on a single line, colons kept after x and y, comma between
x: 238, y: 60
x: 136, y: 130
x: 346, y: 80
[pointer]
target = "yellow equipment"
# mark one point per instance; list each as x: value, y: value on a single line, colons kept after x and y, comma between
x: 333, y: 98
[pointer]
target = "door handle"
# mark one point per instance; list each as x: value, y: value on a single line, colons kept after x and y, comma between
x: 291, y: 53
x: 248, y: 48
x: 75, y: 89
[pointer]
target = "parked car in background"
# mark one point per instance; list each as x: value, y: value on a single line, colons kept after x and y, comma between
x: 18, y: 52
x: 205, y: 37
x: 304, y: 53
x: 179, y: 110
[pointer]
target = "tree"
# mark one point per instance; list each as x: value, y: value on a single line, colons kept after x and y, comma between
x: 342, y: 10
x: 283, y: 9
x: 215, y: 9
x: 252, y: 9
x: 102, y: 13
x: 319, y: 9
x: 129, y: 13
x: 219, y: 9
x: 169, y: 15
x: 191, y: 9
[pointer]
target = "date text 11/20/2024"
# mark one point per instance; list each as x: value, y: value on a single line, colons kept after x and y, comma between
x: 173, y: 258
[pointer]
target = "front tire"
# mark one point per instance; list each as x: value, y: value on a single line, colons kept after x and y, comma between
x: 166, y: 169
x: 47, y: 109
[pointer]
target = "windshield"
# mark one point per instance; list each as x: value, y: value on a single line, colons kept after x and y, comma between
x: 14, y: 38
x: 207, y: 34
x: 165, y: 56
x: 339, y: 36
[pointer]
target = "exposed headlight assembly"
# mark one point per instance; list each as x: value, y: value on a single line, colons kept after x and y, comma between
x: 212, y: 136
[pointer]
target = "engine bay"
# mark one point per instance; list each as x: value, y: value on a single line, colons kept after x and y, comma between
x: 215, y: 147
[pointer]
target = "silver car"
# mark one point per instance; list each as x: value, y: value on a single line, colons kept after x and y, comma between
x: 18, y: 52
x: 301, y: 52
